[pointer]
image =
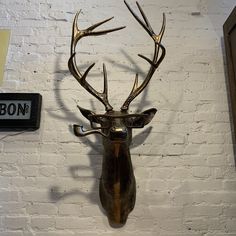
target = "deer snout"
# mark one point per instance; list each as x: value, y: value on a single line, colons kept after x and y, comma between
x: 118, y: 133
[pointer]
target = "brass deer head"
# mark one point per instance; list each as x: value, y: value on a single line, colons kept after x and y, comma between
x: 117, y: 187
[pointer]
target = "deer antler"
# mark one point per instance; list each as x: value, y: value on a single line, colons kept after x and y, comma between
x: 77, y: 34
x: 156, y: 60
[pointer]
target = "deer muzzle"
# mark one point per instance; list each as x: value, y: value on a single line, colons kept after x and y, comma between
x: 118, y: 133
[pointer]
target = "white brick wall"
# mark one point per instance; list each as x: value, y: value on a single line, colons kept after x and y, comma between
x: 185, y: 169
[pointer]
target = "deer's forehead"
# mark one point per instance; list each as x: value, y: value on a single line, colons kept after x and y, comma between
x: 116, y: 113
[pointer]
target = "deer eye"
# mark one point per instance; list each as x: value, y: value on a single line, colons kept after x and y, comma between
x: 99, y: 122
x: 100, y: 125
x: 130, y: 123
x: 135, y: 121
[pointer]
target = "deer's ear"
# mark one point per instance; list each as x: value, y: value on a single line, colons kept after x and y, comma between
x: 144, y: 120
x: 88, y: 114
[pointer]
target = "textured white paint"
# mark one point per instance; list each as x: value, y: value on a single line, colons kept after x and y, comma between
x: 185, y: 169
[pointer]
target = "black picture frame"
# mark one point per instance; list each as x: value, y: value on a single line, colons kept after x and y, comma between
x: 23, y: 124
x: 229, y: 29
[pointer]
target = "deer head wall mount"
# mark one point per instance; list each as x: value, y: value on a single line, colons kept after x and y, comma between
x: 117, y: 188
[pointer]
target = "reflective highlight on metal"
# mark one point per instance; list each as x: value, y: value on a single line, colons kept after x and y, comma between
x: 117, y: 188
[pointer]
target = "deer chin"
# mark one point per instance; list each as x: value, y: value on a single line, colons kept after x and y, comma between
x: 117, y: 224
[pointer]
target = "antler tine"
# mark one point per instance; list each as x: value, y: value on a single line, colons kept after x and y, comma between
x: 161, y: 33
x: 99, y: 23
x: 135, y: 86
x: 152, y: 62
x: 145, y: 18
x: 77, y: 34
x: 102, y: 32
x: 138, y: 19
x: 105, y: 79
x: 156, y: 60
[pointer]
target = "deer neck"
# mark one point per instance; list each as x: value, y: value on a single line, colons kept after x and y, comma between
x: 118, y: 180
x: 117, y: 167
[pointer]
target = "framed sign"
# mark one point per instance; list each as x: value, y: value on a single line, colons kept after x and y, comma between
x: 230, y: 48
x: 20, y: 111
x: 4, y: 42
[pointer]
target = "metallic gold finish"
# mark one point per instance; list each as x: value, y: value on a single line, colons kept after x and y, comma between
x: 78, y: 34
x: 117, y: 188
x: 117, y: 149
x: 155, y: 62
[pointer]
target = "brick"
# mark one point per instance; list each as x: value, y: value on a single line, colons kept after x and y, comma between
x: 230, y: 225
x: 30, y: 171
x: 41, y: 209
x: 196, y: 224
x: 201, y: 172
x: 218, y: 173
x: 55, y: 233
x: 37, y: 196
x: 22, y: 182
x: 6, y: 195
x: 206, y: 117
x: 30, y: 159
x: 11, y: 208
x: 198, y: 211
x: 15, y: 222
x: 184, y: 165
x: 188, y: 198
x: 216, y: 160
x: 171, y: 225
x: 159, y: 212
x: 50, y: 159
x: 11, y: 233
x: 153, y: 198
x: 43, y: 223
x: 211, y: 149
x: 48, y: 171
x: 74, y: 223
x: 200, y: 185
x: 230, y: 185
x: 192, y: 149
x: 230, y: 211
x: 194, y: 160
x: 21, y: 147
x: 10, y: 158
x: 5, y: 181
x: 70, y: 209
x: 156, y: 185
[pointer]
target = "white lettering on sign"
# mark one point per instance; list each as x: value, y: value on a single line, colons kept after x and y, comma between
x: 15, y: 110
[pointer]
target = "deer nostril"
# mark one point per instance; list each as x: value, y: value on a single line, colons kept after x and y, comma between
x: 118, y: 133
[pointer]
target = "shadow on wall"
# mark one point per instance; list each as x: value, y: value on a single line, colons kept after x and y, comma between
x: 136, y: 69
x: 56, y: 192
